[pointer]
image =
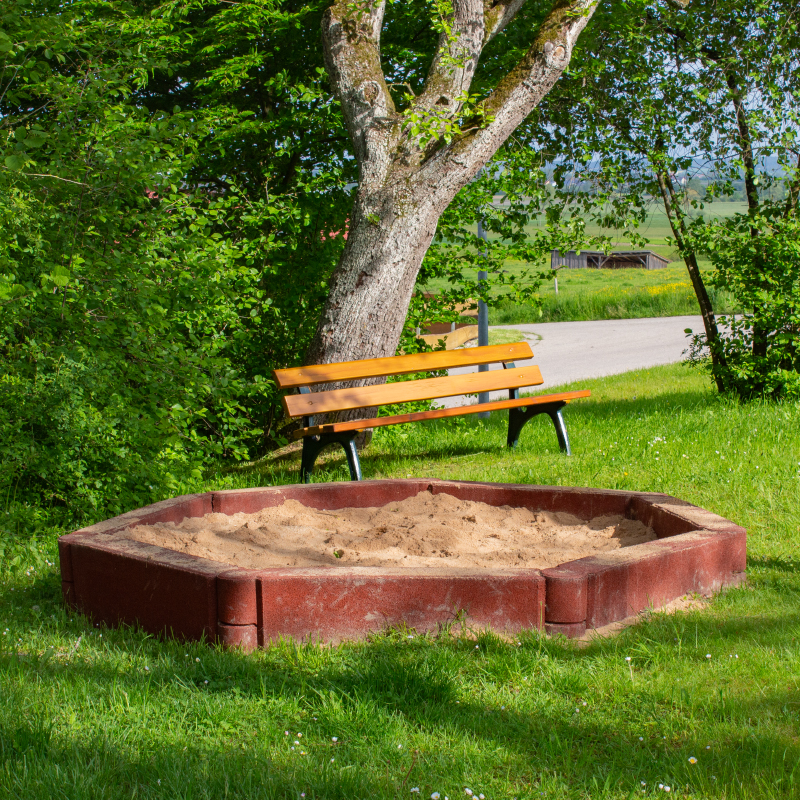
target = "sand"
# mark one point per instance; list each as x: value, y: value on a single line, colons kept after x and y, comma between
x: 421, y: 532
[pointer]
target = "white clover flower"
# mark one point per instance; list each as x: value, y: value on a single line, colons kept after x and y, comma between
x: 708, y: 655
x: 334, y: 738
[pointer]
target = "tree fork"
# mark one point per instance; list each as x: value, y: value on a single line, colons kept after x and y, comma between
x: 404, y: 183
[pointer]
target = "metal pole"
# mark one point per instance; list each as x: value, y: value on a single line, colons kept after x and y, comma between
x: 483, y: 326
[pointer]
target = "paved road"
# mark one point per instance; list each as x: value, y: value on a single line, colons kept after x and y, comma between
x: 573, y: 351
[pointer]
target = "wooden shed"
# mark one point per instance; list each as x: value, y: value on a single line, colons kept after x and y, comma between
x: 596, y: 259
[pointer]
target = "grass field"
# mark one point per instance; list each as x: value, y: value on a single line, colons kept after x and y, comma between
x: 618, y: 294
x: 710, y: 706
x: 612, y: 294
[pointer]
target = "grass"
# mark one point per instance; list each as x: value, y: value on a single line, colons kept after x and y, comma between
x: 91, y: 712
x: 585, y: 294
x: 506, y: 336
x: 656, y: 227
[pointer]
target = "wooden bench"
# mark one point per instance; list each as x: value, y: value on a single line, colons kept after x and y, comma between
x: 308, y: 404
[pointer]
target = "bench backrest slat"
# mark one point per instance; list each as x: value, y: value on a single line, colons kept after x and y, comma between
x: 400, y: 365
x: 408, y: 391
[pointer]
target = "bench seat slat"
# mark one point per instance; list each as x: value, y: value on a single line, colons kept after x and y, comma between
x: 400, y: 365
x: 409, y: 391
x: 437, y: 413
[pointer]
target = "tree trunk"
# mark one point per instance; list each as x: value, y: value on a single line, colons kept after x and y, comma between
x: 794, y: 192
x: 760, y: 339
x: 412, y: 164
x: 678, y: 225
x: 390, y: 232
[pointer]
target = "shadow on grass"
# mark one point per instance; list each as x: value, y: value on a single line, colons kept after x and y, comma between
x: 464, y: 702
x: 439, y: 439
x: 778, y: 564
x: 678, y: 401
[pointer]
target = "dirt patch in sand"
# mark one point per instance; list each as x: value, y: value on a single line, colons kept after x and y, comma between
x: 421, y: 532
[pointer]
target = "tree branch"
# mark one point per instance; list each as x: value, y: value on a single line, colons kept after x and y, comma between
x: 523, y: 88
x: 745, y: 141
x: 55, y: 177
x: 456, y: 59
x: 794, y: 192
x: 547, y: 58
x: 497, y: 16
x: 351, y: 45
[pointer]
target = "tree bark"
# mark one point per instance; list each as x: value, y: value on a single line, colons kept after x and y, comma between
x: 793, y: 194
x: 745, y: 142
x: 406, y: 181
x: 678, y: 225
x: 760, y: 338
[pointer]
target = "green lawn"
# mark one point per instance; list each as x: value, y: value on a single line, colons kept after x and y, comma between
x: 89, y: 712
x: 617, y: 294
x: 585, y: 294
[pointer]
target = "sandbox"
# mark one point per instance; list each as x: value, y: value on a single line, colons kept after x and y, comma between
x: 332, y: 577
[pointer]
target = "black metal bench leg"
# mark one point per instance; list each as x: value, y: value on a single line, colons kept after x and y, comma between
x: 353, y: 463
x: 313, y: 445
x: 516, y: 422
x: 310, y: 452
x: 561, y: 430
x: 518, y: 417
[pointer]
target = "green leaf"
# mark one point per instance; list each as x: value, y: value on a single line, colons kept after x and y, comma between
x: 14, y: 162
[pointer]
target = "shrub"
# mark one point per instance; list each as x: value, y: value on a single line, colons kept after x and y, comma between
x: 756, y: 258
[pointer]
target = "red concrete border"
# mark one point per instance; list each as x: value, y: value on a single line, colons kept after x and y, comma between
x: 167, y: 592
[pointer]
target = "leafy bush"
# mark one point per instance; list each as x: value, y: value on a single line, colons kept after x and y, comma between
x: 143, y: 297
x: 756, y: 259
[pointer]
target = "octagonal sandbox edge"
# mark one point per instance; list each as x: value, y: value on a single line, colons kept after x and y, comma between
x: 164, y: 591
